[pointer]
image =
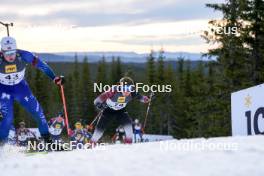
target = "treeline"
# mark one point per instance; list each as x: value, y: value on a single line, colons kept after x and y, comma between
x: 192, y: 108
x: 199, y: 104
x: 187, y: 111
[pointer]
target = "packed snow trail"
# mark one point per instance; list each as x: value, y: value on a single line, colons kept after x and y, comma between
x: 145, y: 159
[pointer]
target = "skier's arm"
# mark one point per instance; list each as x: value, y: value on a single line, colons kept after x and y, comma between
x: 50, y: 122
x: 53, y: 122
x: 37, y: 62
x: 103, y: 97
x: 99, y: 102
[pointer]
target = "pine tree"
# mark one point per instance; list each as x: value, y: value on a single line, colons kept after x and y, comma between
x: 119, y: 70
x: 198, y: 105
x: 180, y: 72
x: 151, y: 79
x: 41, y: 87
x: 169, y: 103
x: 233, y: 63
x: 151, y: 73
x: 69, y: 94
x: 116, y: 70
x: 178, y: 102
x: 159, y: 106
x: 77, y: 104
x: 160, y: 69
x: 87, y: 91
x: 253, y: 35
x: 231, y: 54
x: 113, y: 71
x: 101, y: 76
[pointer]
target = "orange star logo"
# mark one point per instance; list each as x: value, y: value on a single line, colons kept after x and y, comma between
x: 248, y: 101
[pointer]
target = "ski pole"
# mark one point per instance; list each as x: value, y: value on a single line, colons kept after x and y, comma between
x: 96, y: 117
x: 145, y: 121
x: 65, y: 109
x: 7, y: 26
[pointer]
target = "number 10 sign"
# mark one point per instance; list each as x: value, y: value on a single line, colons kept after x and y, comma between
x: 248, y: 111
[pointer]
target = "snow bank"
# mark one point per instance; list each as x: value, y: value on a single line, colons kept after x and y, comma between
x: 215, y: 156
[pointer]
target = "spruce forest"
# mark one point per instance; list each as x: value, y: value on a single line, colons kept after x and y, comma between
x: 200, y: 102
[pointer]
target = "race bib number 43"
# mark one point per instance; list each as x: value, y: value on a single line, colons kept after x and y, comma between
x: 12, y: 78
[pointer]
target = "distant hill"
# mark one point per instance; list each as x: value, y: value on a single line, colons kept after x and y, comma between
x: 126, y: 57
x: 65, y: 68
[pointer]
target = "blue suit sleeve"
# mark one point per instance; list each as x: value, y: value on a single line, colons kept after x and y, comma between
x: 37, y: 62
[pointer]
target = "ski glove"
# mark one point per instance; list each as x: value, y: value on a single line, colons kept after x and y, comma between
x: 59, y: 80
x: 145, y: 99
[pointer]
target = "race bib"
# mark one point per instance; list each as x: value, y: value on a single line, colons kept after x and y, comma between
x: 58, y: 126
x: 55, y: 131
x: 22, y: 137
x: 121, y: 99
x: 10, y: 68
x: 11, y: 78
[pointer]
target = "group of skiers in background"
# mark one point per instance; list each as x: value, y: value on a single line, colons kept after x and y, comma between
x: 111, y: 104
x: 22, y: 135
x: 81, y: 133
x: 120, y: 135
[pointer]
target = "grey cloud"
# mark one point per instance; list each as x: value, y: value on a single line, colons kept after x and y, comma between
x: 165, y: 12
x: 167, y: 40
x: 39, y: 2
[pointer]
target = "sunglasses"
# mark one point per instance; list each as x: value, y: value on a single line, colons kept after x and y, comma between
x: 9, y: 53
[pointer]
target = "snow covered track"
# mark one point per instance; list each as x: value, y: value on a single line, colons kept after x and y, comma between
x: 177, y: 157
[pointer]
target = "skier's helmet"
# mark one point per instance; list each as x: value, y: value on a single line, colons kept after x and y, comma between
x: 126, y: 81
x: 78, y: 125
x: 60, y: 114
x: 22, y: 124
x: 8, y: 44
x: 136, y: 121
x: 127, y: 84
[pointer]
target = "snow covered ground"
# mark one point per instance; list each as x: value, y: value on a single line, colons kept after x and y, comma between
x: 215, y: 156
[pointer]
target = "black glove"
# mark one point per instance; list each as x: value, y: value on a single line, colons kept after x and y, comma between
x: 59, y: 80
x: 101, y: 106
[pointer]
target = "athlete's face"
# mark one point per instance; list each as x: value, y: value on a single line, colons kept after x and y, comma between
x: 126, y: 90
x: 78, y: 126
x: 10, y: 56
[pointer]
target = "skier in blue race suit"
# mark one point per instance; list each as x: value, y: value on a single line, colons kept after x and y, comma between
x: 13, y: 86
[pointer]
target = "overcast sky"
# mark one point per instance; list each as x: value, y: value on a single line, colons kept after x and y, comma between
x: 108, y: 25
